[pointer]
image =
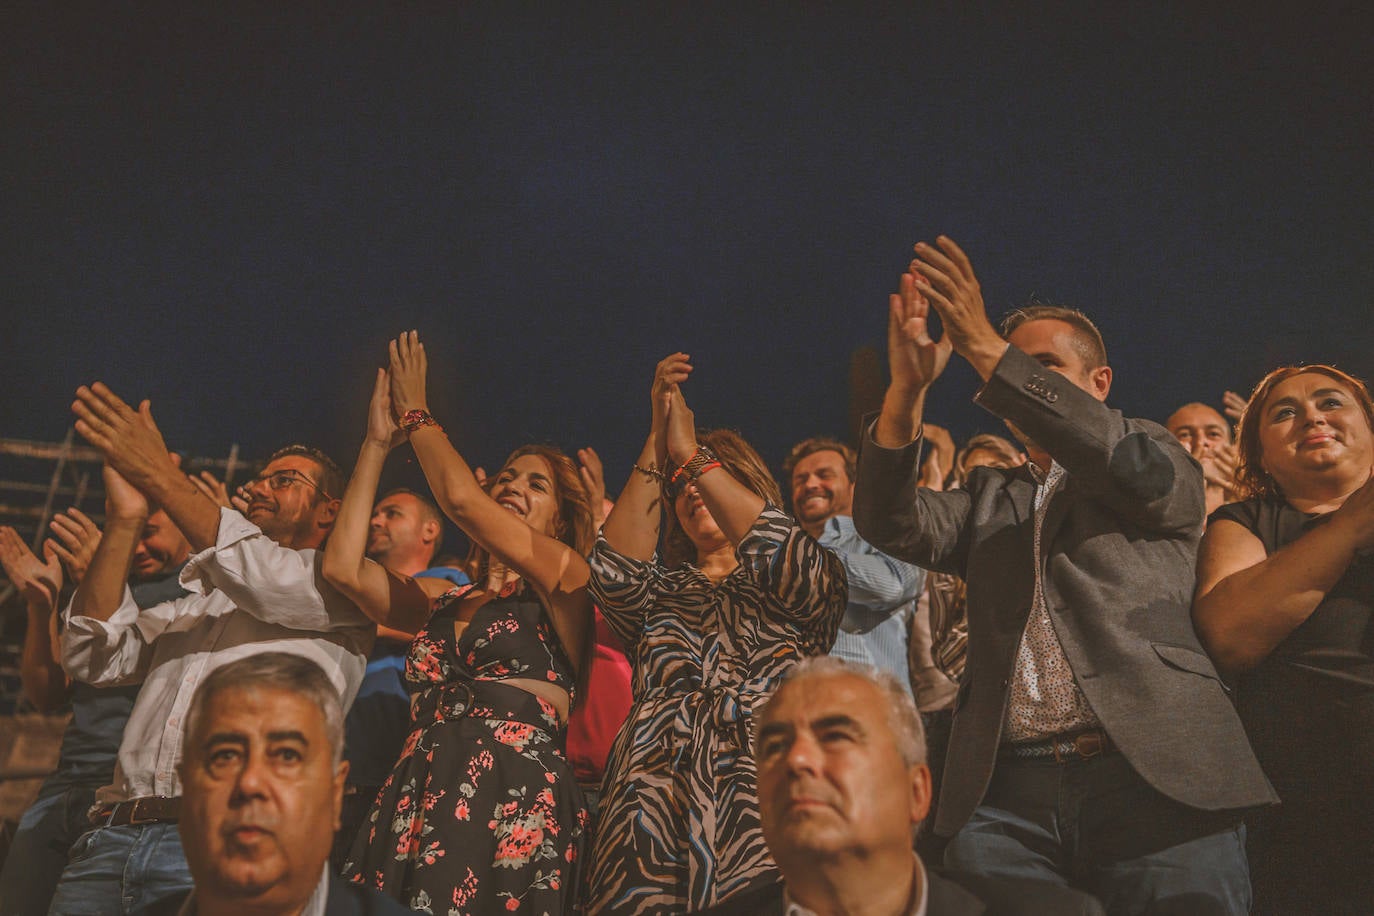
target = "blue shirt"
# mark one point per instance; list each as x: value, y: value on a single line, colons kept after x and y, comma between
x: 882, y: 599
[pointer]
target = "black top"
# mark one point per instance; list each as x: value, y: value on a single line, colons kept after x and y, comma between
x: 1309, y: 706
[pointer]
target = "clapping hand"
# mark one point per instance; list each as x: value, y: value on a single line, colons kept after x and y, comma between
x: 593, y: 476
x: 77, y: 537
x: 381, y: 421
x: 213, y: 488
x: 407, y: 372
x: 128, y: 439
x: 915, y: 358
x: 39, y: 581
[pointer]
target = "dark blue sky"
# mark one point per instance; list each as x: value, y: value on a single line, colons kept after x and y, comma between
x: 229, y: 211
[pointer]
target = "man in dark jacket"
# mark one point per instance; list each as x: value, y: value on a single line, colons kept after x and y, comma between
x: 1092, y: 742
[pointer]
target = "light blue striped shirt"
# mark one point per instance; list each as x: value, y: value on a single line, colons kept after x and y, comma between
x: 882, y: 600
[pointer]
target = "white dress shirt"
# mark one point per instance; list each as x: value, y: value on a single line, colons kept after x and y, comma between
x: 248, y: 595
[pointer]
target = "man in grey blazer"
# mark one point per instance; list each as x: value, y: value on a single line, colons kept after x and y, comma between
x: 1093, y: 743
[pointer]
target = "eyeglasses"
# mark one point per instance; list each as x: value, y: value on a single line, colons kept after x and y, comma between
x: 280, y: 480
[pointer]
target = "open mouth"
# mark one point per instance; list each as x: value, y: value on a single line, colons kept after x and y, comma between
x: 512, y: 505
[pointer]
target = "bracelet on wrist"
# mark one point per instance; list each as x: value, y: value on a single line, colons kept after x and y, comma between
x: 651, y: 472
x: 702, y: 460
x: 412, y: 420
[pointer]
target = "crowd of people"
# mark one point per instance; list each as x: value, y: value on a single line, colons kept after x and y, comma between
x: 1114, y: 665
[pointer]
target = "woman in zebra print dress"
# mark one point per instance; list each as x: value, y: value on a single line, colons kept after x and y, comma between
x: 743, y: 594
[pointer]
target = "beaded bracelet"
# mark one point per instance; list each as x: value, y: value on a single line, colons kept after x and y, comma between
x: 412, y: 420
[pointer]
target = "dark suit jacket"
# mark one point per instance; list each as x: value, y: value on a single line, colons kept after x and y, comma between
x: 950, y: 895
x: 1119, y: 543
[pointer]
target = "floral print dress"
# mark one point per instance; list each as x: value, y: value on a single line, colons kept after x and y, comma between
x: 481, y: 813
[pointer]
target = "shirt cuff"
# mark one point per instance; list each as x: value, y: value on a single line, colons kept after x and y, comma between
x: 233, y: 528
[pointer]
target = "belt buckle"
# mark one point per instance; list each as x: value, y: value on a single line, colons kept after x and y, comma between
x: 460, y: 708
x: 135, y: 818
x: 1089, y: 744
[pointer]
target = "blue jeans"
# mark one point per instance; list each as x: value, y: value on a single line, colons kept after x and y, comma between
x: 116, y: 871
x: 38, y: 852
x: 1098, y: 826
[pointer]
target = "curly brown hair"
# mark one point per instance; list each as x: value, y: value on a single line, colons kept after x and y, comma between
x: 1251, y: 477
x: 739, y: 459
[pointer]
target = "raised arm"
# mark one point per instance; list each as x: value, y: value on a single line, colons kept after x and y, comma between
x: 44, y: 682
x: 389, y: 598
x: 1248, y: 602
x: 633, y: 525
x: 101, y: 591
x: 553, y: 568
x: 734, y: 506
x: 915, y: 361
x: 132, y: 444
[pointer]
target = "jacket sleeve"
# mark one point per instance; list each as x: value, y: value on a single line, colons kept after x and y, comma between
x: 1135, y: 467
x: 903, y: 520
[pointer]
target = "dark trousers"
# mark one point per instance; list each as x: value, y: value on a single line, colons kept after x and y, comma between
x: 1098, y: 826
x: 38, y: 852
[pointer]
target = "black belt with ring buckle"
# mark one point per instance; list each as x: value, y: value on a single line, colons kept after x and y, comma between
x: 454, y: 698
x: 146, y: 809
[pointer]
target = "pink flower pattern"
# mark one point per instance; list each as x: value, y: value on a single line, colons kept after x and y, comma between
x: 499, y: 753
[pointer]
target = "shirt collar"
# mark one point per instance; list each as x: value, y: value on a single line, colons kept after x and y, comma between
x: 916, y: 907
x: 313, y: 907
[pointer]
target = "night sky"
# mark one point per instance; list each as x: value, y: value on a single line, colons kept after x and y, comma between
x: 229, y: 210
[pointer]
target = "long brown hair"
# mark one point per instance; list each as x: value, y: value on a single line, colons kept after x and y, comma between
x: 574, y: 523
x: 739, y: 459
x: 1251, y: 476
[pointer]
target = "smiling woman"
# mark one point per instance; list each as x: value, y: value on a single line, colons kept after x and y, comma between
x: 481, y: 812
x: 1285, y: 604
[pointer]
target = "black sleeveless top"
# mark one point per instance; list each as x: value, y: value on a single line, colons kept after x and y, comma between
x: 1309, y: 706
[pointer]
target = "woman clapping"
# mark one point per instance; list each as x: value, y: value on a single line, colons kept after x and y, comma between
x: 740, y: 596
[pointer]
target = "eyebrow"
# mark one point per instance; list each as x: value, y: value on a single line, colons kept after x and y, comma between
x: 1320, y: 392
x: 839, y: 719
x: 288, y: 735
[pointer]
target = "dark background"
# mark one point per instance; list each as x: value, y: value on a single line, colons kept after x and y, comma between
x: 229, y: 209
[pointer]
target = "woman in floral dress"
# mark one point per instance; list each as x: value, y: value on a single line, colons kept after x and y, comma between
x: 743, y: 594
x: 482, y: 813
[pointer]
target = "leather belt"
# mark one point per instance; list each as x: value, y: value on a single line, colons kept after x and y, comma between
x: 1062, y: 748
x: 146, y: 809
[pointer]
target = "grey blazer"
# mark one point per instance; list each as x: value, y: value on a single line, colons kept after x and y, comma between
x: 1118, y: 546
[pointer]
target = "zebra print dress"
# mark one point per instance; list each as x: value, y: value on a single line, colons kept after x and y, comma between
x: 679, y: 822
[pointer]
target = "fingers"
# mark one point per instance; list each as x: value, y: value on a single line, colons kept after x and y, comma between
x: 71, y: 528
x: 957, y: 258
x: 672, y: 370
x: 1233, y: 405
x: 590, y: 459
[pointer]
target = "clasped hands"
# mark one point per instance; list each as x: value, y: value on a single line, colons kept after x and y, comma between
x: 673, y: 423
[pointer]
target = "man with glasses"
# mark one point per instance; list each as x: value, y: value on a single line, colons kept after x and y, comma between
x: 254, y: 586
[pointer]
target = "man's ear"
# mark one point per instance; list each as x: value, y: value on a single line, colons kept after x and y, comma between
x: 919, y: 776
x: 328, y: 511
x: 340, y: 780
x: 1101, y: 381
x: 429, y: 531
